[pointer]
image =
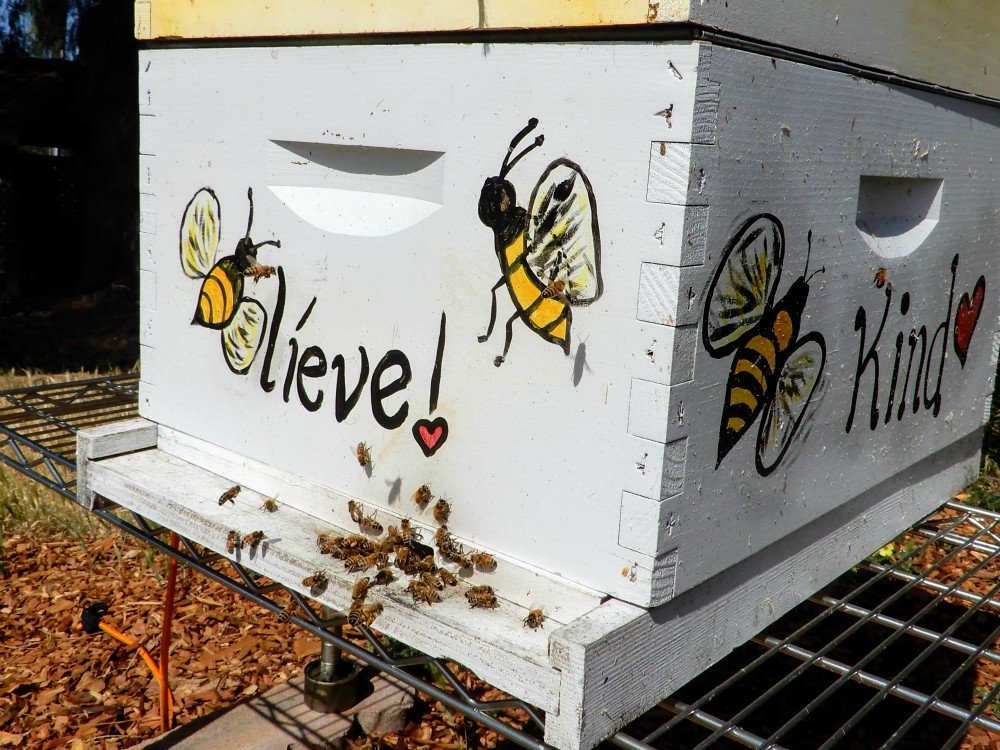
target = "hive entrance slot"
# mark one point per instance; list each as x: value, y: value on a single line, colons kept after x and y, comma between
x: 896, y: 214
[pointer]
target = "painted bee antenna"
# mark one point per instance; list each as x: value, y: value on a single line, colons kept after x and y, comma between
x: 809, y: 246
x: 508, y: 164
x: 275, y: 243
x: 250, y: 220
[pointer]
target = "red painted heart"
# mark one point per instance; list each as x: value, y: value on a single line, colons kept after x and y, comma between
x: 966, y: 318
x: 430, y: 434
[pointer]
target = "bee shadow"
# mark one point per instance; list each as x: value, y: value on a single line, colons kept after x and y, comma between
x: 395, y: 488
x: 580, y: 363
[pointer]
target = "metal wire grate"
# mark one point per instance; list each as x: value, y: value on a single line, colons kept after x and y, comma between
x: 888, y: 655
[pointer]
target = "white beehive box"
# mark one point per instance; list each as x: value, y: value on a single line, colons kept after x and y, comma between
x: 752, y: 334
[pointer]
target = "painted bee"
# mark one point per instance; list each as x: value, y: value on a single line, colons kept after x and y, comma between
x: 483, y: 597
x: 549, y: 255
x: 442, y: 511
x: 360, y: 590
x: 535, y: 619
x: 229, y: 496
x: 363, y: 454
x: 232, y: 541
x: 774, y: 371
x: 270, y: 505
x: 484, y: 560
x: 221, y: 304
x: 252, y: 539
x: 423, y: 495
x: 317, y: 579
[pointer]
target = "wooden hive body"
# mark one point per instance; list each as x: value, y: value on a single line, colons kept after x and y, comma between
x: 726, y: 201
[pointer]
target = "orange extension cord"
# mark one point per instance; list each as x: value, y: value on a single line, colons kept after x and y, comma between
x: 91, y: 621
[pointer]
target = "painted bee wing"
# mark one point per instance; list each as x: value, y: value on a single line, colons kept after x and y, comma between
x: 562, y: 239
x: 795, y: 386
x: 744, y: 285
x: 200, y: 233
x: 242, y: 337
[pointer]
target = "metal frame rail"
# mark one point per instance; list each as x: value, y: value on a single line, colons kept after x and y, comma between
x: 885, y: 656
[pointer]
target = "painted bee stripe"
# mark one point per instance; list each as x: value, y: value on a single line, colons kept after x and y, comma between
x: 742, y: 396
x: 736, y: 424
x: 746, y: 366
x: 765, y: 348
x: 216, y: 299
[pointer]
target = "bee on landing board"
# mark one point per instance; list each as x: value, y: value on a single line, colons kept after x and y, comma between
x: 369, y: 524
x: 360, y: 590
x: 774, y: 370
x: 270, y: 505
x: 549, y: 254
x: 233, y: 541
x: 356, y: 510
x: 535, y: 619
x: 222, y: 305
x: 317, y: 579
x: 252, y: 539
x: 483, y: 597
x: 484, y: 560
x: 229, y: 496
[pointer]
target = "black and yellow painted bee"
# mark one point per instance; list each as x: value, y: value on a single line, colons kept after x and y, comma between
x: 221, y: 303
x: 550, y: 253
x: 774, y: 372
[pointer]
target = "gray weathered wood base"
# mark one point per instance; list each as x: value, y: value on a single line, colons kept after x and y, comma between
x: 596, y: 665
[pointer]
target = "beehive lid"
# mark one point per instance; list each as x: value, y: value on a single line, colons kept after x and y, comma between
x: 949, y: 43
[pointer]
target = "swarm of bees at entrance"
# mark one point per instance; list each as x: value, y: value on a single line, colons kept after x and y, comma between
x: 402, y: 548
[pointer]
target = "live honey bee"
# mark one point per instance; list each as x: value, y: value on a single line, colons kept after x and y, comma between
x: 358, y: 543
x: 383, y: 577
x: 458, y: 557
x: 443, y: 540
x: 286, y: 613
x: 447, y: 578
x: 358, y: 563
x: 484, y: 560
x: 555, y: 289
x: 407, y: 532
x: 369, y: 524
x: 363, y: 454
x: 426, y: 565
x: 252, y: 539
x: 482, y: 596
x: 423, y: 495
x: 393, y: 539
x: 881, y: 278
x: 421, y: 592
x: 356, y: 509
x: 360, y: 590
x: 259, y: 272
x: 229, y: 495
x: 442, y: 510
x: 270, y: 505
x: 433, y: 581
x: 317, y: 579
x: 232, y: 541
x: 534, y: 620
x: 362, y: 615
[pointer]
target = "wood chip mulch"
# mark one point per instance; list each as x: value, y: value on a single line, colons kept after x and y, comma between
x: 61, y: 687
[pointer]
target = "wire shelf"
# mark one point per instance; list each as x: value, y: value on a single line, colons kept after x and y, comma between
x: 888, y: 655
